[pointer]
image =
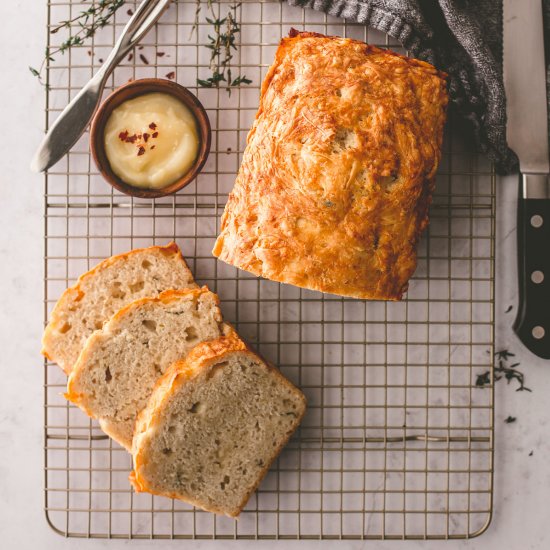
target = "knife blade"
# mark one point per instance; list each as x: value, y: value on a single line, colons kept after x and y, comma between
x: 74, y: 119
x: 524, y: 72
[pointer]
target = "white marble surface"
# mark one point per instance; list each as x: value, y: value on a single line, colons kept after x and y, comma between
x: 522, y: 482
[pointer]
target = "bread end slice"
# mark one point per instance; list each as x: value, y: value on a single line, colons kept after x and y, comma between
x: 115, y: 282
x: 213, y: 426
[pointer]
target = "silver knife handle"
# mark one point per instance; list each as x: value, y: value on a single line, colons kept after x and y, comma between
x: 145, y: 16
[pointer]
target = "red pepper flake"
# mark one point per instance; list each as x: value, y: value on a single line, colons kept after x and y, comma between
x: 100, y: 60
x: 161, y: 54
x: 171, y: 75
x: 130, y: 57
x: 127, y: 138
x: 153, y: 126
x: 145, y: 137
x: 140, y: 48
x: 90, y: 53
x: 155, y: 134
x: 130, y: 12
x: 152, y: 147
x: 144, y: 59
x: 141, y: 151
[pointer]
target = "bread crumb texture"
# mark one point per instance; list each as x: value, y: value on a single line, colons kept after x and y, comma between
x: 214, y: 425
x: 120, y: 364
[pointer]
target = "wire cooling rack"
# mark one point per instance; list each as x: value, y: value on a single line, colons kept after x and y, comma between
x: 397, y: 442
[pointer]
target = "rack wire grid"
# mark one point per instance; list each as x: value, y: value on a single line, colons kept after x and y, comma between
x: 397, y: 442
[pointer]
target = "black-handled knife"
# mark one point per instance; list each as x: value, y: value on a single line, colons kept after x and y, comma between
x: 527, y: 133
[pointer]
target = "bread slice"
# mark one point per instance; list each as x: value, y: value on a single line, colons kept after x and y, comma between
x: 101, y: 292
x: 213, y: 425
x: 119, y: 365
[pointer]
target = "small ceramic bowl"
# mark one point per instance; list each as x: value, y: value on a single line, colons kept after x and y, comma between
x: 133, y: 89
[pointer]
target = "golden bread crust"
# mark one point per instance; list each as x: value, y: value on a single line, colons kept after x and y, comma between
x: 338, y: 172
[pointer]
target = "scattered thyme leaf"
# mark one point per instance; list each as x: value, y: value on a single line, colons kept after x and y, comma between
x: 483, y: 379
x: 504, y: 354
x: 503, y: 370
x: 510, y: 419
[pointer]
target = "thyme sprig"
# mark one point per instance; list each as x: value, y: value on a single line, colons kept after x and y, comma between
x: 198, y: 9
x: 81, y: 27
x: 222, y: 46
x: 503, y: 370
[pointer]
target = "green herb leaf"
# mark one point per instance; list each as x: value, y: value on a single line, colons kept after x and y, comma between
x: 483, y: 379
x: 241, y: 80
x: 504, y: 354
x: 204, y: 83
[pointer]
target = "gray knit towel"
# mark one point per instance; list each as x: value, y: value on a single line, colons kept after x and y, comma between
x: 462, y: 38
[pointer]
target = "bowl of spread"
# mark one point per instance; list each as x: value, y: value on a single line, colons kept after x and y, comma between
x: 150, y: 138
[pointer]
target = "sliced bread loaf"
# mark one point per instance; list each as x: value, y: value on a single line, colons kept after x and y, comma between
x: 119, y: 365
x: 213, y: 425
x: 101, y: 292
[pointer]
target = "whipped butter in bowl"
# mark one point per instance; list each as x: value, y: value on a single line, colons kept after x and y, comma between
x: 150, y: 138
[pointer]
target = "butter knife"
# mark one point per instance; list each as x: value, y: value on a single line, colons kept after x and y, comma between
x: 527, y: 133
x: 74, y: 119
